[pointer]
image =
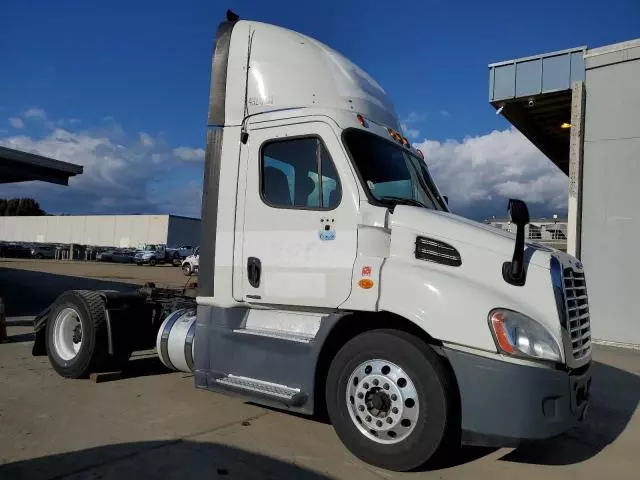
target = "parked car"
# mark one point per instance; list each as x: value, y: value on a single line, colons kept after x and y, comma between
x: 43, y: 251
x: 123, y: 256
x: 105, y: 256
x: 191, y: 263
x: 14, y: 250
x: 155, y: 254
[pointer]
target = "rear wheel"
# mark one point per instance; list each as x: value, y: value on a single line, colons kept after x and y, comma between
x: 77, y: 334
x: 77, y: 341
x: 390, y: 399
x: 152, y: 262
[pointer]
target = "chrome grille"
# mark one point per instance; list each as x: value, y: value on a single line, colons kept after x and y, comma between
x: 577, y: 311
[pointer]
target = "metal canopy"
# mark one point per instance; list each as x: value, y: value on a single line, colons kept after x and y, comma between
x: 17, y: 166
x: 534, y: 95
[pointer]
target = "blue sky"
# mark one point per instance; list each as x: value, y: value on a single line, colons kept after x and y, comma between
x: 105, y: 75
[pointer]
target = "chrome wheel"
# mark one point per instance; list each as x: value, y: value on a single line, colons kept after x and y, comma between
x: 382, y: 401
x: 67, y: 334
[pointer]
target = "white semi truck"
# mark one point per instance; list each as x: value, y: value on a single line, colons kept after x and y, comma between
x: 333, y: 276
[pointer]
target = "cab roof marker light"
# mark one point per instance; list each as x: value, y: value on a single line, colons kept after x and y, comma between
x: 362, y: 121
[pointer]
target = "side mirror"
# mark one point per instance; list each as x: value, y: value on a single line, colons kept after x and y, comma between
x: 514, y: 272
x: 446, y: 199
x: 518, y: 212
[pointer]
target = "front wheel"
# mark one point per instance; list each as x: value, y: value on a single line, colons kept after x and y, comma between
x: 187, y: 270
x: 390, y: 399
x: 152, y: 262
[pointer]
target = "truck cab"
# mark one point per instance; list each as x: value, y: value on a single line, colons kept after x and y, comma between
x: 332, y: 275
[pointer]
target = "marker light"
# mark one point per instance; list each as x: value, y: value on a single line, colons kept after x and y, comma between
x: 365, y: 283
x: 362, y: 121
x: 565, y: 125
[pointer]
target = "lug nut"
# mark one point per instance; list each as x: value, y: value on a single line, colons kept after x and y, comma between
x: 360, y: 395
x: 394, y: 410
x: 365, y: 386
x: 375, y: 382
x: 386, y: 386
x: 379, y: 423
x: 368, y: 418
x: 361, y: 408
x: 389, y: 420
x: 394, y: 397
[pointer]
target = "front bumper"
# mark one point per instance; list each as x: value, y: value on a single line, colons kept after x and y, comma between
x: 503, y: 403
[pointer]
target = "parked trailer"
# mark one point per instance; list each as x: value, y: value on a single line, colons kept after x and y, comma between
x: 332, y: 275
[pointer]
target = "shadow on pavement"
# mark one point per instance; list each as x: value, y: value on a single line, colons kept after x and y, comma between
x: 27, y: 293
x: 615, y: 397
x: 21, y: 337
x: 158, y: 459
x: 144, y: 367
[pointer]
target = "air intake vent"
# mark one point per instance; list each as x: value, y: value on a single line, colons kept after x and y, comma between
x: 437, y: 251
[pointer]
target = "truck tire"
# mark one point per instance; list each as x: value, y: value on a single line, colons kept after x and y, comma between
x: 390, y: 399
x: 77, y: 342
x: 187, y: 270
x: 152, y: 262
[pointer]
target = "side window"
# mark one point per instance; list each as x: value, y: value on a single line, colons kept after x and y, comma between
x: 299, y: 173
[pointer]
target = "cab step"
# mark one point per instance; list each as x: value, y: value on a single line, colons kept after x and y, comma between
x: 288, y: 395
x: 279, y: 334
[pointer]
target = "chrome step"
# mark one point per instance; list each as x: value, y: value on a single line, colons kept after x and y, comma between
x: 292, y: 396
x: 279, y: 334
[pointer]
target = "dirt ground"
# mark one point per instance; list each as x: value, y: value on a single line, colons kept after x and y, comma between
x: 155, y: 424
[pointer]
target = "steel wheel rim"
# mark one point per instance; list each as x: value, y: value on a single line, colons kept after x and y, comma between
x: 67, y: 334
x: 380, y: 383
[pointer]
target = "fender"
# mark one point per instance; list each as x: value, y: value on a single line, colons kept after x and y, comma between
x: 123, y: 334
x: 449, y: 306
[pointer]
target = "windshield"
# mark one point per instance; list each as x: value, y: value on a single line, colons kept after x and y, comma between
x: 391, y: 174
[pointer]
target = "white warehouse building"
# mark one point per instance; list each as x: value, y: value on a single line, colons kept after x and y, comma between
x: 124, y: 231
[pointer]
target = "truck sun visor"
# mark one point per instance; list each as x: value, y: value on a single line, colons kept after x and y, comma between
x: 219, y: 72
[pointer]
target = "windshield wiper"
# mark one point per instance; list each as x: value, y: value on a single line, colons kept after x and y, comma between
x: 403, y: 201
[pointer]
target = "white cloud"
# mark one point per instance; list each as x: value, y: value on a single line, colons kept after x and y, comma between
x: 498, y: 164
x: 34, y: 112
x: 108, y: 118
x: 16, y: 122
x: 122, y: 174
x: 189, y: 154
x: 414, y: 117
x: 445, y: 113
x: 146, y: 139
x: 412, y: 133
x: 74, y: 121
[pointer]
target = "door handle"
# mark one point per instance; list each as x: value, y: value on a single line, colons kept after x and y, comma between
x: 254, y: 269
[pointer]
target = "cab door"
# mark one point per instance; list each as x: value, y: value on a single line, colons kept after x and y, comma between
x: 299, y: 239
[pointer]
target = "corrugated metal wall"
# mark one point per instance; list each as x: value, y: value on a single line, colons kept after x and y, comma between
x: 98, y: 230
x: 611, y: 176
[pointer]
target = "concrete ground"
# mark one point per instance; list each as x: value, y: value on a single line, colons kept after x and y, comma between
x: 154, y: 424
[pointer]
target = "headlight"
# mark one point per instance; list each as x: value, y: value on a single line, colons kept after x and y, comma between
x: 518, y: 335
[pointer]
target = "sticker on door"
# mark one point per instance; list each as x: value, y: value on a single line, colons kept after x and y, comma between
x: 327, y: 229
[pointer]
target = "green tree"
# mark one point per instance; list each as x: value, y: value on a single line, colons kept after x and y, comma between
x: 20, y: 207
x: 12, y: 207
